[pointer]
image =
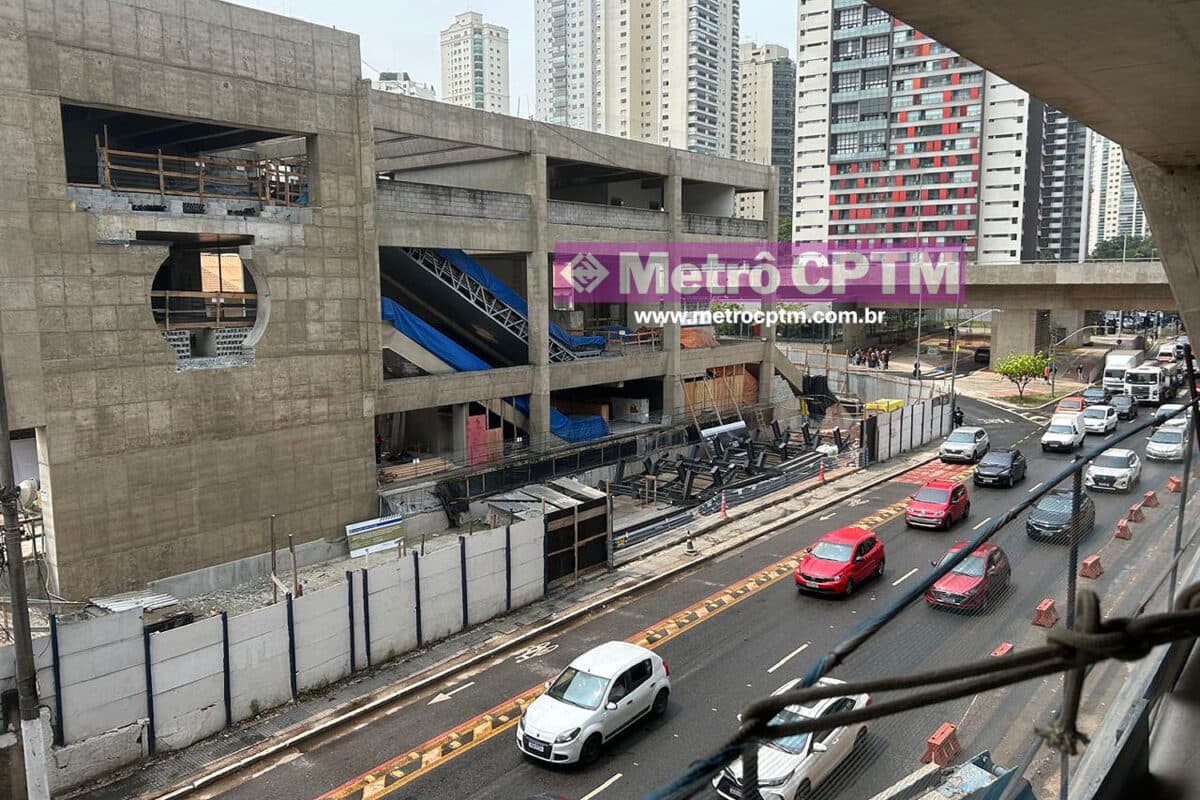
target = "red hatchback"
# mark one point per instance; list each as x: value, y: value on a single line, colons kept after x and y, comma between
x: 938, y: 504
x: 1070, y: 404
x: 840, y: 561
x: 979, y: 576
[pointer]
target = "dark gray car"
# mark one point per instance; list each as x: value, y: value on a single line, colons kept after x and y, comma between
x: 1051, y: 519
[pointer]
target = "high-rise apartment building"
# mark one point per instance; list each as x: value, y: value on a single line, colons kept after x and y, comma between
x: 766, y: 116
x: 401, y: 83
x: 663, y: 72
x: 475, y: 64
x: 900, y: 140
x: 1062, y: 234
x: 1115, y: 209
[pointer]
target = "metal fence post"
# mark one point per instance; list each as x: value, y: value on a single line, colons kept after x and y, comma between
x: 508, y: 568
x: 417, y: 594
x: 151, y: 744
x: 225, y: 686
x: 350, y: 613
x: 462, y: 577
x: 55, y: 668
x: 291, y: 629
x: 366, y: 612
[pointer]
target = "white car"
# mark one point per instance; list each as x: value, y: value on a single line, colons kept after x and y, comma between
x: 601, y: 694
x: 1113, y: 470
x: 1100, y: 419
x: 793, y: 767
x: 1168, y: 443
x: 1181, y: 421
x: 965, y: 444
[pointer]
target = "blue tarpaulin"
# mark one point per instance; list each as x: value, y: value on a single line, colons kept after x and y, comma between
x: 506, y: 295
x: 571, y: 429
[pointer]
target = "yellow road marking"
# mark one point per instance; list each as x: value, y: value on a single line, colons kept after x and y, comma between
x: 407, y: 767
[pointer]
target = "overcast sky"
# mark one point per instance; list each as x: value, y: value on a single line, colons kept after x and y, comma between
x: 403, y: 36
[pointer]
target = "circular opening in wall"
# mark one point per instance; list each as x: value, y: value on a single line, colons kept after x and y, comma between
x: 208, y: 305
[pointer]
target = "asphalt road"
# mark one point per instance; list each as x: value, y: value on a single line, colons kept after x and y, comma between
x: 737, y: 653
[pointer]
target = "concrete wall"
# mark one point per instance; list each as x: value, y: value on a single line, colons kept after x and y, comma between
x: 151, y: 471
x: 528, y: 562
x: 910, y: 427
x: 441, y: 593
x: 258, y: 660
x: 708, y: 198
x: 322, y: 621
x: 498, y: 174
x: 102, y: 667
x: 485, y: 575
x: 450, y: 201
x: 189, y: 685
x: 566, y: 212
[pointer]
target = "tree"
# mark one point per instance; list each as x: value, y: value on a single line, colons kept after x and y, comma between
x: 1129, y: 247
x: 785, y: 229
x: 1021, y: 369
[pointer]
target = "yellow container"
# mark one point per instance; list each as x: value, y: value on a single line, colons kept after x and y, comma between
x: 885, y: 404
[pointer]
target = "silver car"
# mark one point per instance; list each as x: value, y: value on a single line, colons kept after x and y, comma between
x: 1167, y: 443
x: 965, y: 444
x: 1113, y: 470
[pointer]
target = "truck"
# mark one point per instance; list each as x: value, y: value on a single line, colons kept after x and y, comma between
x: 1115, y: 364
x: 1152, y: 383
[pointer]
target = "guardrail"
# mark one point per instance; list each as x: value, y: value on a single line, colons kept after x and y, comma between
x: 266, y: 180
x: 903, y: 684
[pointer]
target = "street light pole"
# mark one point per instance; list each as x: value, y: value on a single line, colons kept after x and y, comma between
x: 1053, y: 370
x: 954, y: 354
x: 37, y: 783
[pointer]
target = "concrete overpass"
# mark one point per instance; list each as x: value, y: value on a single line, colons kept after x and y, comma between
x: 1130, y: 70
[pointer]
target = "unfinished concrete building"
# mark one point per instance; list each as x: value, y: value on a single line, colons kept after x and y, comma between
x: 203, y: 210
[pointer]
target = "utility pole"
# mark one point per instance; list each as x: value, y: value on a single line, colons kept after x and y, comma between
x: 37, y: 783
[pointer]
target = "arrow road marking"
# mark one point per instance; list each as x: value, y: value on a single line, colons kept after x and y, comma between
x: 1035, y: 487
x: 442, y: 697
x: 788, y: 657
x: 824, y: 517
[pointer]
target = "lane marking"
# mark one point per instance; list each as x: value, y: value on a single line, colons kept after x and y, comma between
x: 1035, y: 487
x: 594, y: 792
x: 406, y: 767
x: 905, y: 577
x: 789, y: 656
x: 981, y: 524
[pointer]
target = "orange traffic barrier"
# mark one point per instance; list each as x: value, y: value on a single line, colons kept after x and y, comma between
x: 1004, y: 649
x: 943, y: 746
x: 723, y: 512
x: 1150, y: 499
x: 821, y: 470
x: 1123, y: 529
x: 1091, y: 567
x: 1135, y: 513
x: 1046, y: 614
x: 1174, y: 485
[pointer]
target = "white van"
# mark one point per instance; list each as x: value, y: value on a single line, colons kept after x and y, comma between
x: 1165, y: 353
x: 1065, y: 432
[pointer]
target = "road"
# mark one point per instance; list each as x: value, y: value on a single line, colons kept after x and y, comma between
x: 733, y: 630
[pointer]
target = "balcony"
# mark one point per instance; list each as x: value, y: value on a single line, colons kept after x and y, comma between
x: 859, y: 125
x: 863, y: 62
x: 568, y: 212
x: 873, y: 29
x: 707, y: 225
x: 846, y: 95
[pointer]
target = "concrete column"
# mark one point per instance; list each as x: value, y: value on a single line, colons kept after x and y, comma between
x: 537, y: 295
x: 1013, y: 333
x: 853, y: 335
x: 1070, y: 321
x: 1171, y: 197
x: 672, y: 400
x: 766, y: 369
x: 458, y: 428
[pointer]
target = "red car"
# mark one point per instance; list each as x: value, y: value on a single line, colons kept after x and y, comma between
x: 840, y: 561
x: 1069, y: 404
x: 938, y: 504
x: 981, y: 575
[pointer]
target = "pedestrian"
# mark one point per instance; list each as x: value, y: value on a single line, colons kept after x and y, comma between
x: 871, y: 358
x: 1079, y: 373
x: 1046, y: 374
x: 378, y: 448
x: 884, y: 357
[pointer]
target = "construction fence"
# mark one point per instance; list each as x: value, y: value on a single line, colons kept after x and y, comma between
x: 178, y: 686
x: 888, y: 434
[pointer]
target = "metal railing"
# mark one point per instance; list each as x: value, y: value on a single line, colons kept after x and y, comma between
x: 178, y: 310
x: 906, y: 686
x: 268, y: 181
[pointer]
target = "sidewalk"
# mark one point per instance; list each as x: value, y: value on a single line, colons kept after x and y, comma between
x: 649, y: 563
x: 984, y: 385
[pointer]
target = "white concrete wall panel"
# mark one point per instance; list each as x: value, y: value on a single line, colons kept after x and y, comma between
x: 189, y: 683
x: 393, y: 608
x: 441, y: 594
x: 322, y: 622
x: 485, y: 575
x: 102, y: 665
x: 528, y: 562
x: 258, y: 660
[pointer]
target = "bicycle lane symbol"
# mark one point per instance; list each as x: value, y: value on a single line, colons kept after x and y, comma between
x: 536, y: 651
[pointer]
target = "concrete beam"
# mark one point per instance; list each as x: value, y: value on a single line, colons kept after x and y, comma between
x: 410, y: 394
x: 405, y: 229
x: 1171, y: 197
x: 1013, y: 333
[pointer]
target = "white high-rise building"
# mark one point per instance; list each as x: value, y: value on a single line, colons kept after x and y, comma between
x: 401, y: 83
x: 475, y: 64
x: 662, y: 71
x: 1115, y: 208
x: 766, y: 120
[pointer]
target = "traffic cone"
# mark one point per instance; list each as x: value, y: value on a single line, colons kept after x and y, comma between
x: 690, y: 549
x: 723, y: 514
x: 821, y: 470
